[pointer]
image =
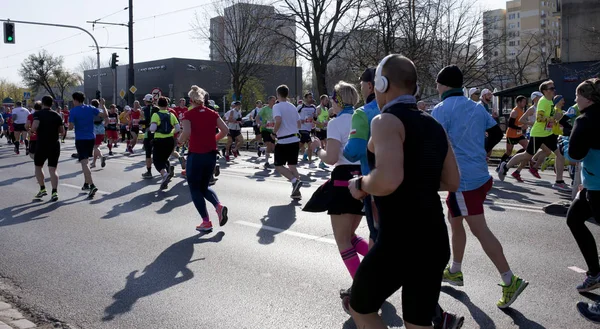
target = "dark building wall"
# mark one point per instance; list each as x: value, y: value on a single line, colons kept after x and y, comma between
x: 567, y: 76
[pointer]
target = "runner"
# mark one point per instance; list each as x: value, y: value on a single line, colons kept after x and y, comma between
x: 287, y: 123
x: 163, y: 125
x: 528, y: 118
x: 65, y: 116
x: 37, y: 106
x: 99, y: 132
x: 135, y: 119
x: 19, y: 118
x: 308, y: 114
x: 475, y: 94
x: 403, y: 132
x: 258, y: 142
x: 514, y: 134
x: 6, y: 117
x: 542, y: 136
x: 584, y: 146
x: 467, y: 123
x: 148, y: 112
x: 199, y: 124
x: 82, y: 119
x: 111, y: 128
x: 124, y: 126
x: 180, y: 110
x: 265, y: 121
x: 48, y: 126
x: 233, y: 118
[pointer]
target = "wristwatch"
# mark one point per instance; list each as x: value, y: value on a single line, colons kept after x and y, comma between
x: 358, y: 183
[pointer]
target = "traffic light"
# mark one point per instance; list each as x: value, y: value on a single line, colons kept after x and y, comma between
x: 114, y: 60
x: 9, y: 32
x: 98, y: 94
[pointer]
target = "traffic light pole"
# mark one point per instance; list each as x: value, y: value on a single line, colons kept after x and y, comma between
x: 130, y: 71
x: 68, y: 27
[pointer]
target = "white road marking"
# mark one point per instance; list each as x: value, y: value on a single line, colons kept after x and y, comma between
x: 79, y: 188
x: 576, y: 269
x: 288, y: 232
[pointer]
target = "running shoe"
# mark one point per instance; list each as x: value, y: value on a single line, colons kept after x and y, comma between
x: 92, y: 193
x: 227, y: 158
x: 258, y: 152
x: 345, y: 297
x: 512, y: 291
x: 267, y: 166
x: 455, y: 279
x: 305, y: 157
x: 296, y: 195
x: 534, y: 172
x: 62, y: 141
x: 165, y: 181
x: 296, y: 186
x: 590, y: 283
x: 222, y: 213
x: 54, y: 196
x: 517, y: 176
x: 183, y: 173
x: 205, y: 227
x: 85, y: 187
x: 115, y: 145
x: 40, y: 194
x: 171, y: 172
x: 26, y: 151
x: 92, y: 165
x: 217, y: 170
x: 322, y: 165
x: 503, y: 171
x: 561, y: 186
x: 547, y: 163
x: 450, y: 321
x: 182, y: 161
x: 589, y: 311
x: 147, y: 175
x: 110, y: 153
x: 103, y: 162
x: 236, y: 153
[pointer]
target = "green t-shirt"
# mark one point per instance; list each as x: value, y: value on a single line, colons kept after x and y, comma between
x: 266, y: 119
x: 156, y: 119
x: 542, y: 126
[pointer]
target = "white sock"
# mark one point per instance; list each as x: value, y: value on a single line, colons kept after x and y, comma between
x: 507, y: 277
x: 455, y: 267
x: 294, y: 180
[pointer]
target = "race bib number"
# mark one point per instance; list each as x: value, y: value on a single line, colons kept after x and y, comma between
x: 135, y: 122
x: 519, y: 131
x: 549, y: 125
x: 112, y: 121
x: 270, y: 124
x: 308, y: 120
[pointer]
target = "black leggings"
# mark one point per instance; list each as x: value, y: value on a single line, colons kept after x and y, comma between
x: 585, y: 206
x: 161, y: 150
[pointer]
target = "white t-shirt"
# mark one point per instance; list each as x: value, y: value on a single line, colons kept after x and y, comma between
x: 21, y: 114
x: 339, y: 129
x: 289, y: 122
x: 307, y: 115
x: 236, y: 115
x: 253, y: 115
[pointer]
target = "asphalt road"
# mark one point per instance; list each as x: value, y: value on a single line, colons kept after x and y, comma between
x: 131, y: 258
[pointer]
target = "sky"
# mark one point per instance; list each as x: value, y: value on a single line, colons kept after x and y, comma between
x: 161, y: 30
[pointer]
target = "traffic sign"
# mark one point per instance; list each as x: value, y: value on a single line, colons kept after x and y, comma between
x: 122, y: 93
x: 133, y: 89
x: 156, y: 93
x: 26, y: 95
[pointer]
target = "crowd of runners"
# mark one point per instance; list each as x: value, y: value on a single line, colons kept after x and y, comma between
x: 367, y: 147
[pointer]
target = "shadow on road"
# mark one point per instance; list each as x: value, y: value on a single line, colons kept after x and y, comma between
x: 511, y: 192
x: 162, y: 274
x: 183, y: 197
x: 520, y: 319
x: 18, y: 214
x: 482, y: 319
x: 10, y: 181
x: 126, y: 190
x: 278, y: 219
x: 389, y: 314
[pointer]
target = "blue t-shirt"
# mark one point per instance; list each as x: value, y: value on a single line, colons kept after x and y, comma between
x: 82, y: 117
x: 465, y: 123
x: 6, y: 116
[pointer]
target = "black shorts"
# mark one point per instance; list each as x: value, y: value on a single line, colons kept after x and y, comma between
x: 234, y: 133
x: 305, y: 137
x: 535, y: 143
x: 256, y: 131
x: 342, y: 201
x: 286, y: 154
x: 321, y: 134
x: 135, y: 130
x: 19, y: 127
x: 45, y: 152
x: 32, y: 146
x: 148, y: 144
x: 376, y: 280
x: 266, y: 136
x: 515, y: 140
x: 85, y: 148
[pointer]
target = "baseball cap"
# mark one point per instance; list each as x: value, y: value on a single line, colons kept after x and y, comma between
x: 127, y: 108
x: 235, y: 103
x: 485, y: 92
x: 536, y: 94
x: 148, y: 98
x: 557, y: 99
x: 473, y: 91
x: 368, y: 75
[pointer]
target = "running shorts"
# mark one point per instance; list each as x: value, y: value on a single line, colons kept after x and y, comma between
x: 112, y: 134
x: 148, y: 144
x: 535, y: 143
x: 321, y: 134
x: 234, y: 133
x: 342, y: 201
x: 256, y: 130
x: 468, y: 203
x: 286, y: 154
x: 266, y: 136
x: 47, y: 152
x: 514, y: 140
x: 305, y: 137
x: 32, y: 146
x: 99, y: 140
x: 85, y: 148
x: 135, y: 130
x: 19, y: 127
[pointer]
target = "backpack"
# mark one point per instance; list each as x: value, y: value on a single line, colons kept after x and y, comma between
x: 165, y: 126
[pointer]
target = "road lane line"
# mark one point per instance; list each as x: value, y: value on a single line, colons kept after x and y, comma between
x: 576, y: 269
x: 79, y: 188
x: 288, y: 232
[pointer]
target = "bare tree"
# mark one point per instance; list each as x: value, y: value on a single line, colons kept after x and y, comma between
x: 239, y: 38
x: 325, y: 27
x: 90, y: 63
x: 37, y: 69
x: 63, y: 80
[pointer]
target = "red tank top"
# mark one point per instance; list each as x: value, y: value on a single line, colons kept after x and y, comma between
x: 135, y: 117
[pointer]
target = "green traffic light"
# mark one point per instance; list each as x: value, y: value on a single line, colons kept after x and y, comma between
x: 10, y: 38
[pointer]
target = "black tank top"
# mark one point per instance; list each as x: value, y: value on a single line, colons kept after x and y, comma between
x: 113, y: 118
x: 413, y: 214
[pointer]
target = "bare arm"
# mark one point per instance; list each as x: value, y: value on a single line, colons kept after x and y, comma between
x: 332, y: 154
x: 277, y: 125
x: 450, y: 174
x: 223, y: 129
x: 524, y: 119
x: 34, y: 126
x: 185, y: 134
x: 387, y: 142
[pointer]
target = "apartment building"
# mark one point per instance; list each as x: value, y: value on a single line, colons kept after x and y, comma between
x: 521, y: 40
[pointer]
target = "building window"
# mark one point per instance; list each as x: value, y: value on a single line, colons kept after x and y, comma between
x: 511, y: 26
x: 519, y: 24
x: 495, y: 53
x: 511, y: 43
x: 518, y: 42
x: 513, y: 53
x: 518, y: 15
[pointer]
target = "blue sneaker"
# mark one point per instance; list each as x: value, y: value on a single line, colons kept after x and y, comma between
x: 590, y: 283
x: 590, y: 312
x: 322, y: 165
x: 305, y: 157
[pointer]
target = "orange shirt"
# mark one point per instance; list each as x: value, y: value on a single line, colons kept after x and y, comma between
x: 516, y: 133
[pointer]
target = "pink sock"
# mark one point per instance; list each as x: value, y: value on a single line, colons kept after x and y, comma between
x: 205, y: 219
x: 361, y: 246
x: 351, y: 260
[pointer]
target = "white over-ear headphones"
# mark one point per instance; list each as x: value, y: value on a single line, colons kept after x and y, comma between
x: 381, y: 82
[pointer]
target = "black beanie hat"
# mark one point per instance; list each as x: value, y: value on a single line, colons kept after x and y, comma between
x: 450, y: 76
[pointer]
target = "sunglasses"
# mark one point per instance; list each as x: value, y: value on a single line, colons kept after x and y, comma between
x: 551, y: 88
